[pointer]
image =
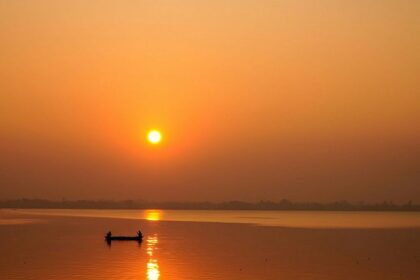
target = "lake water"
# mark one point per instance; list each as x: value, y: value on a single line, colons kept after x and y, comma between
x: 69, y: 244
x: 291, y: 219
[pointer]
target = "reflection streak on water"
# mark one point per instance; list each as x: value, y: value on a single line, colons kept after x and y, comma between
x: 153, y: 215
x: 153, y: 272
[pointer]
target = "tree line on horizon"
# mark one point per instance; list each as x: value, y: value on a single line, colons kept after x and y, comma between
x: 283, y: 204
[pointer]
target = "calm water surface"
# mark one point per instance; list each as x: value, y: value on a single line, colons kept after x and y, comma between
x: 294, y: 219
x: 68, y: 244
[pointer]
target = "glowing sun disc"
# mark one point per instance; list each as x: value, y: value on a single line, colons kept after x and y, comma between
x: 154, y: 137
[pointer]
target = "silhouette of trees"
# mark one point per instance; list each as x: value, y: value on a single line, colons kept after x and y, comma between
x: 283, y: 204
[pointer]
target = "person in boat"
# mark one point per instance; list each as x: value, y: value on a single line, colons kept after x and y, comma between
x: 140, y: 235
x: 108, y: 235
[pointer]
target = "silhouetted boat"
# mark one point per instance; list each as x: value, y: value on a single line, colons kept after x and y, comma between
x: 124, y: 238
x: 138, y: 237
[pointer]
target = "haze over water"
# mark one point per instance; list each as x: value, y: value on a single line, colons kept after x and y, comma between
x: 210, y: 101
x: 255, y: 99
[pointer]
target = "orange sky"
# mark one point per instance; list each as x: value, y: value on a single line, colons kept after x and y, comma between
x: 298, y: 99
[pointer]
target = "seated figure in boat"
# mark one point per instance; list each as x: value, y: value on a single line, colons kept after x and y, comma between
x: 140, y: 235
x: 108, y: 235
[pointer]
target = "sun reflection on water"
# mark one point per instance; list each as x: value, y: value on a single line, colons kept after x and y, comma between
x: 153, y: 215
x: 153, y: 272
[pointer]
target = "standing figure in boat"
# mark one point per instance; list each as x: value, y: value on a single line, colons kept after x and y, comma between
x: 108, y: 235
x: 140, y: 235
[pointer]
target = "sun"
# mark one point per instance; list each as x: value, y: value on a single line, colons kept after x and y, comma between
x: 154, y: 136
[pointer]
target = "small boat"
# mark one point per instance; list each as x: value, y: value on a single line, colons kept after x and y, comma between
x: 138, y: 237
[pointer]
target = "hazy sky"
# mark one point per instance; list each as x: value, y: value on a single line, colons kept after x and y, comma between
x: 256, y: 99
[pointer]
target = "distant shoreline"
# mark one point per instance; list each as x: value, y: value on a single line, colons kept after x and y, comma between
x: 282, y: 205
